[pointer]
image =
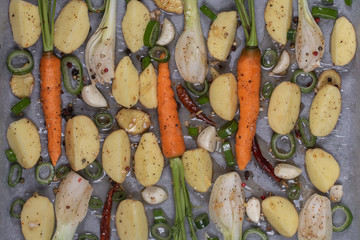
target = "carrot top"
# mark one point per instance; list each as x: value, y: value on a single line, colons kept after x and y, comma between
x: 47, y: 16
x: 248, y: 23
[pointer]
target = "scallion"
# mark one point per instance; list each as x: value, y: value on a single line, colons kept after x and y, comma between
x: 279, y: 154
x: 348, y: 2
x: 10, y: 155
x: 93, y: 9
x: 322, y: 12
x: 159, y: 54
x: 15, y: 174
x: 348, y: 220
x: 202, y: 221
x: 151, y: 33
x: 12, y: 208
x: 269, y: 58
x: 203, y: 100
x: 193, y: 131
x: 49, y: 177
x: 95, y: 203
x: 267, y: 90
x: 256, y: 231
x: 303, y: 75
x: 210, y: 14
x: 72, y: 74
x: 104, y: 120
x: 145, y: 61
x: 89, y: 170
x: 118, y: 196
x: 161, y: 231
x: 192, y: 88
x: 328, y: 2
x: 25, y: 68
x: 20, y: 106
x: 228, y: 129
x: 293, y: 192
x: 229, y: 156
x: 88, y: 236
x: 291, y: 35
x: 307, y: 138
x: 159, y: 216
x: 62, y: 171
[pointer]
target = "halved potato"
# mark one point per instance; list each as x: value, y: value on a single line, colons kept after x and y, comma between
x: 25, y: 22
x: 174, y: 6
x: 22, y: 85
x: 148, y: 87
x: 329, y: 77
x: 116, y: 155
x: 133, y: 121
x: 82, y: 142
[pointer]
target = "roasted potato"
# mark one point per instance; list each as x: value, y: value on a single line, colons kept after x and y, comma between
x: 173, y: 6
x: 37, y: 218
x: 222, y: 34
x: 278, y: 16
x: 322, y: 169
x: 343, y: 42
x: 281, y: 214
x: 284, y: 107
x: 198, y: 169
x: 71, y: 26
x: 148, y: 87
x: 126, y: 84
x: 133, y: 121
x: 329, y: 77
x: 223, y: 96
x: 149, y: 161
x: 116, y: 155
x: 131, y: 221
x: 325, y: 111
x: 22, y: 85
x: 82, y: 142
x: 25, y: 22
x: 24, y: 140
x: 134, y: 23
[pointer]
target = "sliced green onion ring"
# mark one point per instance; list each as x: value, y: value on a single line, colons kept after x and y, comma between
x: 269, y: 58
x: 212, y: 238
x: 49, y: 178
x: 90, y: 173
x: 267, y: 90
x: 229, y: 156
x: 10, y: 155
x: 26, y: 68
x: 256, y: 231
x: 161, y: 231
x: 291, y: 35
x: 349, y: 217
x: 151, y: 33
x: 159, y: 216
x: 322, y: 12
x: 12, y: 208
x: 72, y: 82
x: 20, y: 106
x: 118, y: 196
x: 62, y: 171
x: 95, y: 203
x: 95, y: 10
x: 88, y: 236
x: 145, y: 62
x: 210, y: 14
x: 159, y: 54
x: 228, y: 129
x: 104, y: 120
x: 193, y: 131
x: 275, y: 150
x: 193, y: 90
x: 293, y: 193
x: 307, y: 138
x: 203, y: 100
x: 14, y: 180
x: 297, y: 73
x: 202, y: 221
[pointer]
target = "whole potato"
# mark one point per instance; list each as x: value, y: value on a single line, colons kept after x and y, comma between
x: 325, y: 111
x: 281, y: 214
x: 131, y: 221
x: 223, y: 96
x: 284, y: 107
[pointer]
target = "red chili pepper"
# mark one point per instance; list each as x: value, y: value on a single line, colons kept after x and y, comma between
x: 190, y: 105
x: 106, y: 215
x: 262, y: 161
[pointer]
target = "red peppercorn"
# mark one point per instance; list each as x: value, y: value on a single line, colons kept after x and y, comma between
x: 106, y: 70
x: 69, y: 64
x: 243, y: 184
x: 262, y: 197
x: 317, y: 20
x: 315, y: 53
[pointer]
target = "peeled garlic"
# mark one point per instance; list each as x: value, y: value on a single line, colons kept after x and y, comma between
x: 287, y: 171
x: 281, y: 65
x: 253, y: 209
x: 92, y: 96
x: 154, y: 195
x: 336, y: 193
x: 167, y: 33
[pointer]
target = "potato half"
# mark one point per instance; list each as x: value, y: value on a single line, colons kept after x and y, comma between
x: 173, y: 6
x: 22, y: 85
x: 148, y: 87
x: 133, y: 121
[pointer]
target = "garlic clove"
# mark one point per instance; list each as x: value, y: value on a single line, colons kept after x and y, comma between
x: 167, y: 33
x: 93, y: 97
x: 253, y: 209
x: 154, y: 195
x: 282, y: 64
x: 287, y: 171
x: 336, y: 193
x: 207, y: 139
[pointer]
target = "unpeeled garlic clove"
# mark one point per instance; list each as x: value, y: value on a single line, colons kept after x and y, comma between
x: 253, y: 209
x: 287, y: 171
x: 154, y: 195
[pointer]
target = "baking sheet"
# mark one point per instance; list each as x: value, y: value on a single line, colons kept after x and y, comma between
x: 342, y: 143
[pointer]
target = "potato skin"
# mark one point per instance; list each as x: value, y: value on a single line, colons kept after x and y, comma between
x: 223, y: 96
x: 71, y: 26
x: 134, y: 23
x: 322, y: 169
x: 281, y: 214
x: 25, y: 22
x: 278, y: 15
x: 37, y: 218
x: 131, y: 221
x: 325, y: 111
x: 116, y: 155
x: 284, y: 107
x: 82, y: 142
x: 343, y: 42
x: 148, y: 87
x: 126, y: 84
x: 149, y: 161
x: 133, y: 121
x: 24, y: 140
x: 222, y: 34
x: 198, y: 169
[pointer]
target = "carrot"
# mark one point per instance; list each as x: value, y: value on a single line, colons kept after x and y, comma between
x: 172, y: 140
x: 249, y: 78
x: 50, y: 75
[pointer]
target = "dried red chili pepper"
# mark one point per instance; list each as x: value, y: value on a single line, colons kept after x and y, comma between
x: 106, y: 215
x: 262, y: 161
x: 190, y: 105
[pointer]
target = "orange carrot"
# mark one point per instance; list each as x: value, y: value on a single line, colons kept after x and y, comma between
x: 249, y: 78
x: 50, y: 75
x: 172, y: 140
